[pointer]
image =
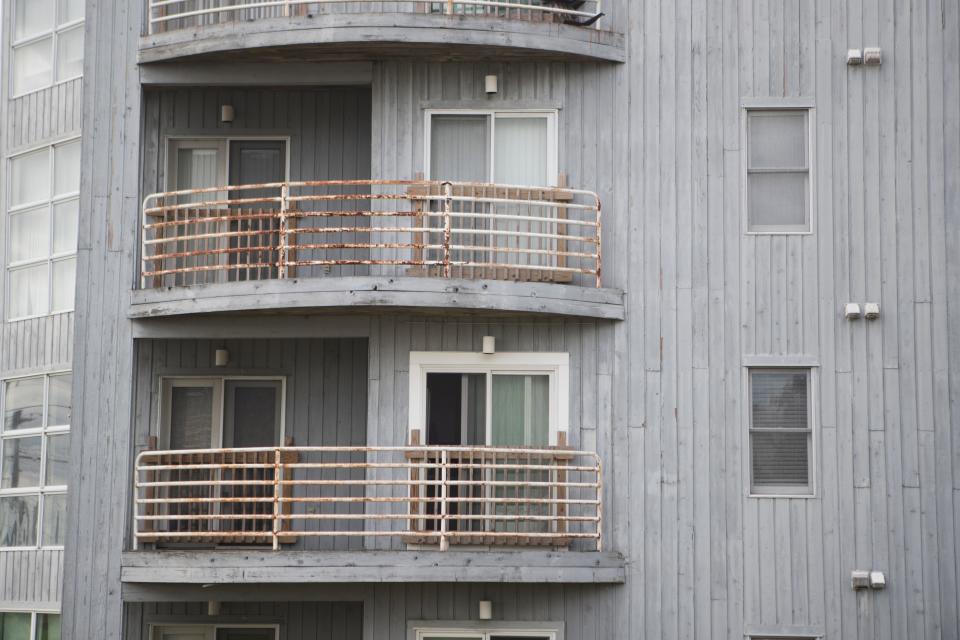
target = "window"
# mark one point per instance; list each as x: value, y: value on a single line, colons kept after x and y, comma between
x: 780, y: 432
x: 42, y: 230
x: 501, y: 400
x: 28, y: 625
x: 34, y: 460
x: 47, y: 43
x: 506, y: 147
x: 486, y: 631
x: 215, y: 632
x: 778, y: 170
x: 205, y: 413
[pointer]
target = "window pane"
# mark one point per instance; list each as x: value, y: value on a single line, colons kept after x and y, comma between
x: 780, y: 459
x: 32, y: 17
x: 70, y: 10
x: 18, y: 521
x: 778, y: 201
x: 48, y: 626
x: 191, y: 417
x: 29, y: 235
x: 23, y: 404
x: 65, y: 217
x: 521, y: 410
x: 64, y: 278
x: 58, y: 399
x: 778, y: 140
x: 32, y: 66
x: 459, y: 148
x: 70, y: 53
x: 14, y: 626
x: 779, y: 399
x: 30, y: 178
x: 54, y: 520
x: 66, y: 164
x: 20, y: 463
x: 520, y: 151
x: 29, y: 291
x: 58, y: 460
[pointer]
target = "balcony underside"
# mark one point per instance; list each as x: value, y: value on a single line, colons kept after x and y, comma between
x: 309, y: 295
x: 371, y: 36
x: 299, y: 567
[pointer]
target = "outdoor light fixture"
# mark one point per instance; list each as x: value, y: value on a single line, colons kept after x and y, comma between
x: 213, y: 607
x: 221, y: 357
x: 489, y: 345
x: 492, y: 84
x: 226, y: 113
x: 486, y: 610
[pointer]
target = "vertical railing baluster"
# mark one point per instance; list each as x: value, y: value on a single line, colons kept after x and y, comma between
x: 277, y: 474
x: 444, y: 492
x: 282, y: 256
x: 447, y: 226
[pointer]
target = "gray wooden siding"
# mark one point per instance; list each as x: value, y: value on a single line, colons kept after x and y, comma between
x: 326, y: 391
x: 662, y: 392
x: 37, y: 344
x: 298, y: 620
x: 48, y: 114
x: 31, y: 579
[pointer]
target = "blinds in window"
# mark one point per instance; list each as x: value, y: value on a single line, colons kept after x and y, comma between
x: 780, y: 430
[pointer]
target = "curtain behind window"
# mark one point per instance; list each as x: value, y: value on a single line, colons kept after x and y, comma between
x: 520, y: 151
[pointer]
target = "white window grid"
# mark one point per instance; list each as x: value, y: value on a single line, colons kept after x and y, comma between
x: 45, y: 431
x: 50, y: 203
x: 54, y: 34
x: 34, y: 619
x: 809, y: 491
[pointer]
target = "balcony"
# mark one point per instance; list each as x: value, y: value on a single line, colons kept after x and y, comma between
x: 373, y: 243
x: 422, y: 497
x: 319, y: 30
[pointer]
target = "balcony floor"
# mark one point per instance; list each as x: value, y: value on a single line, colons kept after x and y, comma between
x: 411, y: 293
x: 299, y: 567
x: 369, y: 36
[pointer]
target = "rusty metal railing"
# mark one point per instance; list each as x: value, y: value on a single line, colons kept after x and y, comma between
x: 418, y: 495
x: 170, y: 15
x: 371, y: 227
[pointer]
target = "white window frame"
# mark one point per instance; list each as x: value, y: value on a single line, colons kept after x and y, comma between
x: 34, y: 614
x: 52, y: 200
x: 209, y: 630
x: 427, y: 630
x: 54, y: 34
x: 785, y: 364
x: 219, y: 383
x: 749, y: 105
x: 551, y: 115
x: 554, y: 365
x: 43, y: 432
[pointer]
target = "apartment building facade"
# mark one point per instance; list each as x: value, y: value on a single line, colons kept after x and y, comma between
x: 481, y: 320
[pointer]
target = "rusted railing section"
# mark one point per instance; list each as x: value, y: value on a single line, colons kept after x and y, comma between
x: 371, y: 227
x: 420, y: 495
x: 170, y: 15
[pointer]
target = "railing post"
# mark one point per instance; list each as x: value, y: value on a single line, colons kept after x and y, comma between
x: 447, y: 226
x: 599, y: 505
x: 444, y: 542
x: 449, y: 7
x: 282, y: 249
x: 599, y: 244
x: 277, y: 474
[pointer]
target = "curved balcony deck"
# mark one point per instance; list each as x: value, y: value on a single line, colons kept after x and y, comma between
x: 330, y: 30
x: 297, y: 246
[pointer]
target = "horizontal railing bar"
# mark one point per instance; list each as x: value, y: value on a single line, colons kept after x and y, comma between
x: 362, y: 499
x: 366, y: 465
x: 365, y: 533
x: 214, y: 517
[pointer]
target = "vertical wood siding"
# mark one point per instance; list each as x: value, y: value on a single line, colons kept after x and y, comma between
x: 48, y: 114
x: 31, y: 579
x: 659, y: 395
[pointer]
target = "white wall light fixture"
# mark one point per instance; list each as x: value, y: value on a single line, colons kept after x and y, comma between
x: 489, y: 345
x: 491, y: 84
x: 221, y: 357
x: 227, y: 113
x: 485, y: 610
